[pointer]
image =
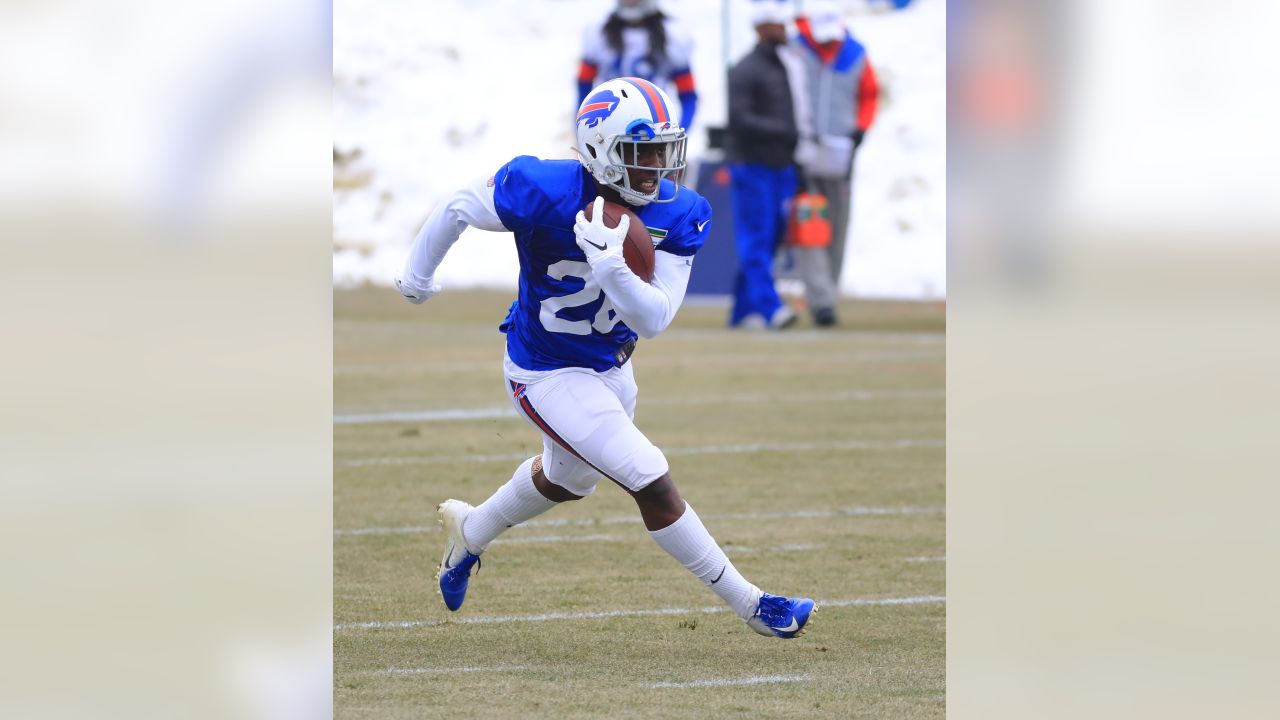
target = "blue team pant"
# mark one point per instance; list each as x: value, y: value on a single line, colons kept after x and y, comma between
x: 761, y: 196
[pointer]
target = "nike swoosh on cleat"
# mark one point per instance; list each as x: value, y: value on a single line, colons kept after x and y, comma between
x: 713, y: 582
x: 793, y: 626
x: 598, y: 247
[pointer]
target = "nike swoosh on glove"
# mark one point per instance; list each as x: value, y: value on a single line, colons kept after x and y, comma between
x: 595, y: 239
x: 417, y: 296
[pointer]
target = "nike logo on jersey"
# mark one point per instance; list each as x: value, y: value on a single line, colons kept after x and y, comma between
x: 702, y: 225
x: 713, y: 582
x: 793, y: 626
x: 598, y: 247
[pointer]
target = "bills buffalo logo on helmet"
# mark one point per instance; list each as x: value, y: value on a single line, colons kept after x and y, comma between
x: 598, y: 107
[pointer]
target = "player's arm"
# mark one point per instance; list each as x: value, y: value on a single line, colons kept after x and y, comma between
x: 589, y: 68
x: 472, y: 205
x: 680, y: 53
x: 587, y: 73
x: 868, y: 95
x: 647, y: 308
x: 688, y: 94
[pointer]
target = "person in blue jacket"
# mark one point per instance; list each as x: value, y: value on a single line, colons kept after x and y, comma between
x: 761, y: 142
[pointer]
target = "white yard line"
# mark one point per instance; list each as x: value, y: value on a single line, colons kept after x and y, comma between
x: 856, y: 511
x: 726, y: 682
x: 918, y: 600
x: 822, y: 337
x: 790, y: 547
x: 548, y: 617
x: 429, y: 459
x: 426, y: 416
x: 703, y: 360
x: 939, y: 558
x: 671, y: 451
x: 821, y: 340
x: 450, y: 670
x: 730, y: 549
x: 538, y: 539
x: 506, y: 411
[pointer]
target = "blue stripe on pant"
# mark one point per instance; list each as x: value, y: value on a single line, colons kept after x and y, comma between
x: 760, y: 198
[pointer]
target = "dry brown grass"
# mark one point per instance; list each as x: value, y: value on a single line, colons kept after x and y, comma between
x: 701, y: 386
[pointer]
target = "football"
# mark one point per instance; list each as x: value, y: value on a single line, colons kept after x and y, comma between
x: 637, y: 247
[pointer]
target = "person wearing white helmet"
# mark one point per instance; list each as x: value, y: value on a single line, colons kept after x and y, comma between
x: 572, y: 330
x: 637, y: 39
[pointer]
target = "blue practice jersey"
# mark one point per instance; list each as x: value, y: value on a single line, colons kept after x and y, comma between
x: 561, y: 318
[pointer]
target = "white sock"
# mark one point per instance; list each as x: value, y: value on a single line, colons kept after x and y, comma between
x: 513, y: 503
x: 688, y: 541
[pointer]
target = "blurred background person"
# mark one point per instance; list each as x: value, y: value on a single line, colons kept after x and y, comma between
x: 1003, y: 116
x: 839, y: 87
x: 762, y: 137
x: 638, y: 40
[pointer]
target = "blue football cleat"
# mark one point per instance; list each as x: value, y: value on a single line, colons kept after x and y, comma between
x: 782, y: 617
x: 455, y: 566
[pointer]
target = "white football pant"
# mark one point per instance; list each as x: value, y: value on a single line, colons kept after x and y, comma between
x: 585, y: 419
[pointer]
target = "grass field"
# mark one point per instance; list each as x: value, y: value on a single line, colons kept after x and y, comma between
x: 815, y: 458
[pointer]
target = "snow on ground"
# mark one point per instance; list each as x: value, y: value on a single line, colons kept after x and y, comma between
x: 429, y: 95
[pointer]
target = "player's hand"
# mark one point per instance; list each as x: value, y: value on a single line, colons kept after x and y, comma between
x: 595, y: 239
x: 417, y: 296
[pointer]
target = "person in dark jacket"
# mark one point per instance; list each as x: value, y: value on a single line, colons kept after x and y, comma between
x: 761, y: 143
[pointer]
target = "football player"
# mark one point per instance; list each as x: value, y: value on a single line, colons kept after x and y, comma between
x: 638, y: 40
x: 573, y: 327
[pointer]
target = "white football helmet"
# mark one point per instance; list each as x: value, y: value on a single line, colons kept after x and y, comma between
x: 627, y: 124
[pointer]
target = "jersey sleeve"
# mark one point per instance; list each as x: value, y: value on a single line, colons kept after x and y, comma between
x: 472, y: 205
x: 679, y: 46
x: 868, y: 96
x: 517, y: 197
x: 687, y: 237
x: 594, y: 47
x: 679, y: 56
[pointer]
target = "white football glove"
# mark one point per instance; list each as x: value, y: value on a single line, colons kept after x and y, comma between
x: 595, y: 239
x: 417, y: 296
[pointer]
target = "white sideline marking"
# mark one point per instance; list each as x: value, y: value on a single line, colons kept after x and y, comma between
x: 675, y: 451
x: 426, y: 416
x: 408, y: 530
x: 724, y: 682
x: 730, y: 549
x: 436, y: 670
x: 940, y: 558
x: 535, y: 539
x: 428, y: 459
x: 506, y: 411
x: 856, y: 511
x: 867, y: 355
x: 546, y: 617
x: 918, y: 600
x: 792, y: 547
x: 821, y: 337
